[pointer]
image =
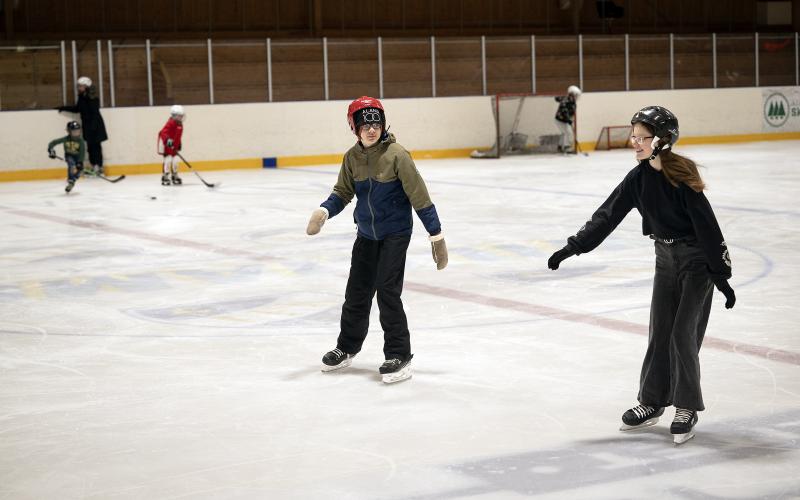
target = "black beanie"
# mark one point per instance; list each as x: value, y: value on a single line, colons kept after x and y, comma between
x: 369, y: 115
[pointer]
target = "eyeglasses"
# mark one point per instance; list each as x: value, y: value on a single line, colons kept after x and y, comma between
x: 373, y: 126
x: 640, y: 140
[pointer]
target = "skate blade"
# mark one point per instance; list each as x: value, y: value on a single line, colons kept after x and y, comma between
x: 682, y: 438
x: 398, y: 376
x: 643, y: 425
x: 344, y: 364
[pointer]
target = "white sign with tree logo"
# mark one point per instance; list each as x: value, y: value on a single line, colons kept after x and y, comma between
x: 781, y: 109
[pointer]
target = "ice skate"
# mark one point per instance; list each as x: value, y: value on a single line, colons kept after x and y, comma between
x: 336, y: 359
x: 165, y: 180
x: 640, y: 417
x: 395, y: 370
x: 70, y: 185
x: 682, y: 427
x: 176, y: 180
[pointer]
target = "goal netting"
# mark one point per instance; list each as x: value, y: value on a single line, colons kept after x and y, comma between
x: 614, y: 137
x: 524, y: 124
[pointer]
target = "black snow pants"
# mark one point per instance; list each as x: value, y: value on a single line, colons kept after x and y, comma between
x: 682, y: 291
x: 376, y: 266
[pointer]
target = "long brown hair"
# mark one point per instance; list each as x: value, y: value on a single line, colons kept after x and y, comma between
x: 677, y: 168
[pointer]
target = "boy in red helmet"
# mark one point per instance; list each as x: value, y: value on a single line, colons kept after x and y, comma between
x: 382, y: 175
x: 169, y: 143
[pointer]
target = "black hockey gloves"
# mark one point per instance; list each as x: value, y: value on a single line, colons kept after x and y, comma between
x: 555, y: 259
x: 439, y: 251
x: 51, y: 153
x: 723, y: 286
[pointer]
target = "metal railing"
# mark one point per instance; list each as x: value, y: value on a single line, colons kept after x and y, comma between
x: 156, y: 73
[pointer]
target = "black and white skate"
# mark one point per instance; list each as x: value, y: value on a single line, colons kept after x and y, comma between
x: 682, y: 427
x: 396, y: 370
x: 70, y: 185
x: 176, y: 180
x: 336, y: 359
x: 165, y: 180
x: 640, y: 416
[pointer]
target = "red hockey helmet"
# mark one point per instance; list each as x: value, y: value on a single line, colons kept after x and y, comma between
x: 363, y: 102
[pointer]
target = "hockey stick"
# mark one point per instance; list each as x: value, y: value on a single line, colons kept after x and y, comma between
x: 116, y: 179
x: 208, y: 184
x: 578, y: 149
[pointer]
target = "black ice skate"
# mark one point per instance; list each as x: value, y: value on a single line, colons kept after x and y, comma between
x: 336, y: 359
x: 640, y: 416
x: 395, y: 370
x: 70, y: 185
x: 176, y: 180
x: 165, y: 180
x: 682, y: 427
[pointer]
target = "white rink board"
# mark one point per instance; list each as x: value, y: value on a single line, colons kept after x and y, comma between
x: 170, y: 348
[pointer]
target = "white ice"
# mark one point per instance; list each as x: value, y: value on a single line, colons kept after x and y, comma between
x: 170, y: 348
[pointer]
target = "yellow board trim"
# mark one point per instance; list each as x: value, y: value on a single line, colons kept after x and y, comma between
x: 33, y: 175
x: 422, y: 154
x: 306, y: 160
x: 721, y: 139
x: 156, y: 168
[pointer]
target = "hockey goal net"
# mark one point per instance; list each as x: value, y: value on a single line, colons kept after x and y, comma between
x: 524, y: 124
x: 614, y: 137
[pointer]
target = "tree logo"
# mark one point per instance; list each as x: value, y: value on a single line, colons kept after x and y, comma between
x: 776, y: 109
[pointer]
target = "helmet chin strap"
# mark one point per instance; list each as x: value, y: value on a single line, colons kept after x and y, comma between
x: 657, y: 147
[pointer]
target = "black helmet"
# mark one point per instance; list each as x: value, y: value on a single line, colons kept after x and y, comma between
x: 663, y: 123
x: 73, y: 125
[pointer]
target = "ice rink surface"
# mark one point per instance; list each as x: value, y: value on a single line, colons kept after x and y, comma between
x: 170, y: 348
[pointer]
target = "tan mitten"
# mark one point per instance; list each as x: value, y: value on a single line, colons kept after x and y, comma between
x: 439, y: 250
x: 318, y: 218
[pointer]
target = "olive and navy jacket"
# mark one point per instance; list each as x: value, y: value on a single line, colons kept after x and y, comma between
x: 387, y: 184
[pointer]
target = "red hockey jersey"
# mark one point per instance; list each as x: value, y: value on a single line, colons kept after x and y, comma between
x: 172, y: 130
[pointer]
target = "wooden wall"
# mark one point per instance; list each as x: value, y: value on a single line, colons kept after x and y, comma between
x: 70, y: 19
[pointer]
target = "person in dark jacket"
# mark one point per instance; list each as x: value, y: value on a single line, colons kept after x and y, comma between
x: 691, y: 258
x: 94, y: 129
x: 565, y: 117
x: 383, y: 176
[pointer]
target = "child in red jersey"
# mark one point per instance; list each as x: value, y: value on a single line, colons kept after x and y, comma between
x: 169, y: 143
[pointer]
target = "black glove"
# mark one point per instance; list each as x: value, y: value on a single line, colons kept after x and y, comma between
x: 723, y: 286
x: 179, y: 146
x: 169, y: 143
x: 51, y: 153
x: 557, y: 257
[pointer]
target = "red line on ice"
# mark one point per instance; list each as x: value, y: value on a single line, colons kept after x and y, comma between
x: 769, y: 353
x: 168, y: 240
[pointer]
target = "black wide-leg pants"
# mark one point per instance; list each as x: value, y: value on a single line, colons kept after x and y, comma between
x: 376, y: 266
x: 682, y: 291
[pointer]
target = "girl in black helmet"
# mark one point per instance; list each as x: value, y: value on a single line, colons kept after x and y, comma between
x: 691, y: 255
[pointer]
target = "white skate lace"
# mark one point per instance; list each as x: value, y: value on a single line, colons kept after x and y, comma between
x: 682, y: 415
x: 642, y: 411
x: 338, y: 352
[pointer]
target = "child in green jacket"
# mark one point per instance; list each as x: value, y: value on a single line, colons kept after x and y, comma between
x: 74, y: 150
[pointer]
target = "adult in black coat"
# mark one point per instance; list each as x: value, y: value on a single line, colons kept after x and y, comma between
x: 94, y: 129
